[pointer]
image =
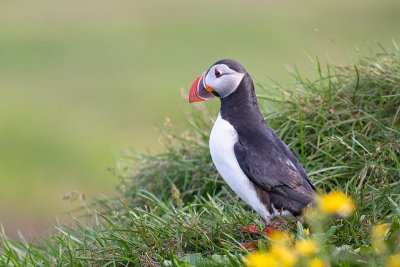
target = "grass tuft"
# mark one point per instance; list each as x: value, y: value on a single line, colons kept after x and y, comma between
x: 174, y: 209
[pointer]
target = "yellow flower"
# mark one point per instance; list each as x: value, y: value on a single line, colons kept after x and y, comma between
x: 379, y: 233
x: 260, y: 259
x: 280, y: 238
x: 380, y: 230
x: 306, y: 247
x: 336, y: 202
x: 393, y: 261
x: 284, y: 256
x: 307, y: 231
x: 316, y: 262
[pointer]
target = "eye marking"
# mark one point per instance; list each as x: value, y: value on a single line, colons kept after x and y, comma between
x: 217, y: 73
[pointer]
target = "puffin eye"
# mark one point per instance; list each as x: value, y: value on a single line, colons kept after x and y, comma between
x: 217, y: 73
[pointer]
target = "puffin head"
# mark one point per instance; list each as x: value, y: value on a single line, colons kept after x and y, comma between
x: 220, y: 80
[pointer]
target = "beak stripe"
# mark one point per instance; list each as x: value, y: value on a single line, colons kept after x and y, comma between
x: 198, y: 92
x: 194, y: 96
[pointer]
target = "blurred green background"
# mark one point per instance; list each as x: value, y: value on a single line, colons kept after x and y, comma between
x: 82, y: 80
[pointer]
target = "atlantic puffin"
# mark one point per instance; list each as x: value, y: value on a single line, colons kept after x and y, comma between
x: 250, y: 157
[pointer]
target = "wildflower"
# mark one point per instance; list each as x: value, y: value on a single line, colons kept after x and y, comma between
x: 260, y: 259
x: 280, y: 238
x: 306, y: 247
x: 336, y: 202
x: 393, y: 261
x: 316, y: 262
x: 307, y: 231
x: 379, y: 233
x: 380, y: 230
x: 284, y: 256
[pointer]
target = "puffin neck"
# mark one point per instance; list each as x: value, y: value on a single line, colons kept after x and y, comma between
x: 241, y: 107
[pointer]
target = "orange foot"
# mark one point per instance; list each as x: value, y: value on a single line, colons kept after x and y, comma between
x: 257, y: 231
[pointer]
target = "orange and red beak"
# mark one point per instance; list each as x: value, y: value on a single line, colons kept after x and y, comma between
x: 199, y: 90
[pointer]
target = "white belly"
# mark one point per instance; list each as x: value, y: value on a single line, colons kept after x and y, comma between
x: 222, y: 140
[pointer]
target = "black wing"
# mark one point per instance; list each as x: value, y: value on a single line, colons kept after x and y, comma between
x: 272, y: 166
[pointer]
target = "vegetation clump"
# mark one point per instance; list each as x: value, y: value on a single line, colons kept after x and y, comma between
x: 174, y: 209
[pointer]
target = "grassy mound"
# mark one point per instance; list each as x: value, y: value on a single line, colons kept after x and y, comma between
x: 345, y: 129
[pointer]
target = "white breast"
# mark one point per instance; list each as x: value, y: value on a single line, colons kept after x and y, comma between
x: 222, y: 140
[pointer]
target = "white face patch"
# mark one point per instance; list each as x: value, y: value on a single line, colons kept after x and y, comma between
x: 223, y: 79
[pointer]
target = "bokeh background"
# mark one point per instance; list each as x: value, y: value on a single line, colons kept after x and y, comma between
x: 82, y: 80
